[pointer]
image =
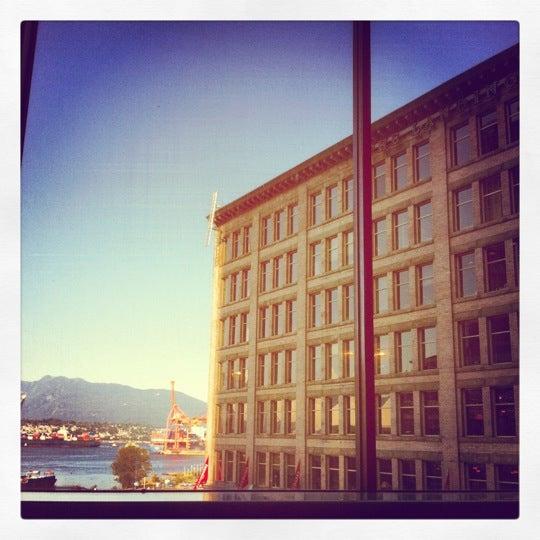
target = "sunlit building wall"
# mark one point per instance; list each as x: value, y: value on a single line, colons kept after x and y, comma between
x: 446, y: 245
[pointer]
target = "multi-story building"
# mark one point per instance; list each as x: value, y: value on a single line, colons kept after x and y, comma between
x: 445, y: 243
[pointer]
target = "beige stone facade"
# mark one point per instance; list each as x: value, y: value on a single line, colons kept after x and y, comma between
x: 446, y: 243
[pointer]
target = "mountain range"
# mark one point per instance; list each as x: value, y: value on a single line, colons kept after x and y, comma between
x: 67, y: 399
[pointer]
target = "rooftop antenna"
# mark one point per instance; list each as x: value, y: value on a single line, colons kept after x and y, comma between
x: 213, y: 207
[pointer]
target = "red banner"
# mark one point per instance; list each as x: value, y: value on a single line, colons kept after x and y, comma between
x: 245, y: 476
x: 296, y: 481
x: 203, y: 477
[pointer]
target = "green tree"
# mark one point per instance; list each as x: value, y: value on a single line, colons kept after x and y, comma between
x: 131, y: 465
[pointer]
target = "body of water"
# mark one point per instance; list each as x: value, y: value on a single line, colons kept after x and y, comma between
x: 89, y: 467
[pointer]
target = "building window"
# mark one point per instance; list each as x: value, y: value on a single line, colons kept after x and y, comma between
x: 233, y: 286
x: 261, y: 468
x: 401, y: 289
x: 315, y: 311
x: 422, y: 170
x: 242, y: 377
x: 243, y: 327
x: 292, y: 219
x: 495, y: 261
x: 229, y: 468
x: 500, y: 346
x: 240, y: 466
x: 473, y: 411
x: 235, y: 244
x: 315, y: 259
x: 230, y: 374
x: 379, y: 181
x: 332, y: 415
x: 428, y: 347
x: 275, y: 470
x: 504, y: 413
x: 347, y: 302
x: 466, y: 277
x: 488, y: 132
x: 290, y: 316
x: 290, y: 469
x: 424, y: 222
x: 263, y: 371
x: 507, y: 477
x: 350, y: 473
x: 381, y: 294
x: 399, y: 171
x: 277, y: 272
x: 229, y: 418
x: 274, y: 368
x: 348, y: 358
x: 232, y: 330
x: 384, y: 416
x: 245, y: 240
x: 382, y: 357
x: 512, y: 120
x: 314, y: 471
x: 332, y: 361
x: 461, y: 144
x: 290, y: 366
x: 331, y: 202
x: 475, y: 474
x: 266, y: 230
x: 316, y: 365
x: 348, y: 247
x: 432, y: 475
x: 276, y: 416
x: 219, y: 419
x: 406, y: 413
x: 277, y: 319
x: 349, y: 405
x: 241, y: 418
x: 430, y: 412
x: 262, y: 426
x: 315, y: 416
x: 425, y: 285
x: 469, y: 335
x: 279, y: 225
x: 380, y: 244
x: 290, y: 416
x: 404, y: 353
x: 385, y: 474
x: 491, y: 192
x: 332, y: 472
x: 401, y: 229
x: 292, y: 267
x: 347, y: 195
x: 513, y: 175
x: 244, y: 287
x: 264, y: 282
x: 263, y: 322
x: 407, y: 475
x: 332, y: 313
x: 463, y: 203
x: 315, y: 208
x: 332, y: 253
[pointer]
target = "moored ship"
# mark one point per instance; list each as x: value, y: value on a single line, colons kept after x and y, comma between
x: 37, y: 481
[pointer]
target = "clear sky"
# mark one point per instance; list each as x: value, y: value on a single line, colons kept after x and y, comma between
x: 133, y: 125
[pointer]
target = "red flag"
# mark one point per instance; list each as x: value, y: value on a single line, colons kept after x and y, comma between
x: 245, y: 476
x: 296, y: 481
x: 203, y: 477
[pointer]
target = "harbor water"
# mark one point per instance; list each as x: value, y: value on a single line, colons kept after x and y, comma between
x: 88, y: 467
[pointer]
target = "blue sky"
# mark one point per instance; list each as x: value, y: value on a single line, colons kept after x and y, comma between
x: 133, y: 125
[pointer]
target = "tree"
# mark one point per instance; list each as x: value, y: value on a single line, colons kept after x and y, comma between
x: 131, y: 465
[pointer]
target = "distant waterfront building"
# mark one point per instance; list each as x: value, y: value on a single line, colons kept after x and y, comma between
x: 446, y: 287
